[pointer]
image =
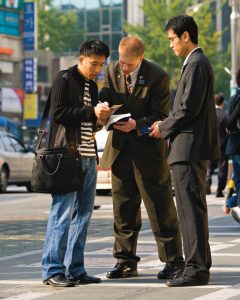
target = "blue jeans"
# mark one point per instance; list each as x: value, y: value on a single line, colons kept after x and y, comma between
x: 234, y: 200
x: 67, y: 227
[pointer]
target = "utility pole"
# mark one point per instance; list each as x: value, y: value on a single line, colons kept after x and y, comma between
x: 235, y: 43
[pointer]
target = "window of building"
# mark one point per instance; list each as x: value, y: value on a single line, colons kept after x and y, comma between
x: 105, y: 17
x: 81, y: 19
x: 93, y: 36
x: 105, y: 3
x: 116, y: 20
x: 92, y: 4
x: 115, y: 41
x: 93, y: 21
x: 106, y: 39
x: 42, y: 74
x: 117, y: 2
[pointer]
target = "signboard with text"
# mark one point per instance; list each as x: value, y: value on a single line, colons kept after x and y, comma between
x: 11, y: 100
x: 30, y: 110
x: 29, y: 26
x: 9, y: 23
x: 13, y: 4
x: 30, y: 75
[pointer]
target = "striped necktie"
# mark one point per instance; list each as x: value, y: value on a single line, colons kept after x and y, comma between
x: 129, y: 83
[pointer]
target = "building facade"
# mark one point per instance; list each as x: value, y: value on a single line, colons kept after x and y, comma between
x: 104, y: 19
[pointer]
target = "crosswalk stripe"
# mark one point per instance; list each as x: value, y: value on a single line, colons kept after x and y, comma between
x: 220, y: 295
x: 29, y: 296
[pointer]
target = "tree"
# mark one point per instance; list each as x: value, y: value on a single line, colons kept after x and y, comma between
x: 155, y: 37
x: 58, y: 31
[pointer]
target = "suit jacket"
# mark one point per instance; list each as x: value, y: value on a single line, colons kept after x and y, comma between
x: 233, y: 142
x: 149, y: 102
x: 192, y: 128
x: 222, y: 120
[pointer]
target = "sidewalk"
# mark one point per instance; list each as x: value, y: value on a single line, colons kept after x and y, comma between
x: 20, y: 274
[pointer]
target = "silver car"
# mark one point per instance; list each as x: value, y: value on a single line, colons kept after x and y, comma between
x: 16, y: 162
x: 104, y: 178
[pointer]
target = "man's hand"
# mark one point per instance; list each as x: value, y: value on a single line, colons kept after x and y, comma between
x: 102, y: 111
x: 126, y: 126
x: 155, y: 132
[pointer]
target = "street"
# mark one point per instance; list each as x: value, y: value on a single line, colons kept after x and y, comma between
x: 23, y: 218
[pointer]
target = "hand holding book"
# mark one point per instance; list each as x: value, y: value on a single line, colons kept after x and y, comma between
x: 117, y: 119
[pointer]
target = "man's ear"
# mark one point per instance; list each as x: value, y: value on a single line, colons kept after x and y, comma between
x: 186, y: 36
x: 80, y: 59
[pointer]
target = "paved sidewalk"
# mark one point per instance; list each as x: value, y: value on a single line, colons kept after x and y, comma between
x: 20, y: 271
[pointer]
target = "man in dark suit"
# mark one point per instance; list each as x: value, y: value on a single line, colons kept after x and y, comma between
x: 193, y: 134
x: 139, y: 163
x: 222, y: 164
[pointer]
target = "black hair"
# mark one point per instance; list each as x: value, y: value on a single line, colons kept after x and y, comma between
x: 182, y: 23
x: 94, y: 47
x: 219, y: 98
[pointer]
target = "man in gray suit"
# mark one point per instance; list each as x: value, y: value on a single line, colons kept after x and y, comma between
x: 139, y: 162
x: 193, y: 133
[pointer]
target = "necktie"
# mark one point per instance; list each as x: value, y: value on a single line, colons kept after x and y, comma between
x: 129, y: 83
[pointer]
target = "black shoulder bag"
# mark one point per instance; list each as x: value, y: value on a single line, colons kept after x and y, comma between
x: 55, y: 170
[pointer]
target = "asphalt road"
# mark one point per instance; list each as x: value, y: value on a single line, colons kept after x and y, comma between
x: 23, y: 220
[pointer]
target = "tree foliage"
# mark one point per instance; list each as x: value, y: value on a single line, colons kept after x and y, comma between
x: 58, y: 31
x: 157, y: 13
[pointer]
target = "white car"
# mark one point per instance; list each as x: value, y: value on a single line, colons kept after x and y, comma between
x: 16, y: 162
x: 104, y: 178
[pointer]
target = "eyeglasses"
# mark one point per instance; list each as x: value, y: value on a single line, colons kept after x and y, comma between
x: 172, y: 39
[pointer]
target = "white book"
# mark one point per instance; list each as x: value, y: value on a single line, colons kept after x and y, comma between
x: 115, y: 118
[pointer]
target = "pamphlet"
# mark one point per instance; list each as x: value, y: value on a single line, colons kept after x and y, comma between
x: 115, y: 118
x: 114, y: 108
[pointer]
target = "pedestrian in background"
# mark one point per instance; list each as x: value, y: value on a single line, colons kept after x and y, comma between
x: 74, y: 109
x: 233, y: 148
x: 222, y: 164
x: 193, y: 133
x: 138, y: 162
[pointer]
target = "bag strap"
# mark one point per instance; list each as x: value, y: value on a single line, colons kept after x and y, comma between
x: 41, y: 130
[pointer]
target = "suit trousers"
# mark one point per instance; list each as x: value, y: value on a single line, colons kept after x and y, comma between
x: 222, y: 165
x: 189, y: 181
x: 131, y: 182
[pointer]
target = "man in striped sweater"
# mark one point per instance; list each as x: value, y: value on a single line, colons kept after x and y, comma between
x: 74, y: 113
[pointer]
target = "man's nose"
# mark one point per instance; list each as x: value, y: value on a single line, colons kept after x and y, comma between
x: 125, y: 68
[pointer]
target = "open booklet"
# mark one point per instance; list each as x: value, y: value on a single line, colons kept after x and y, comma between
x: 114, y: 108
x: 115, y: 118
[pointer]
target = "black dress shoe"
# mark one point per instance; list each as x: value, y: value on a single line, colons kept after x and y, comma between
x: 219, y: 194
x: 58, y: 280
x: 122, y: 271
x: 86, y: 279
x: 185, y: 280
x: 171, y: 270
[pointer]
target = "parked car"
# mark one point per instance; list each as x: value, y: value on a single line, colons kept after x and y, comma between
x: 104, y: 179
x: 15, y: 162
